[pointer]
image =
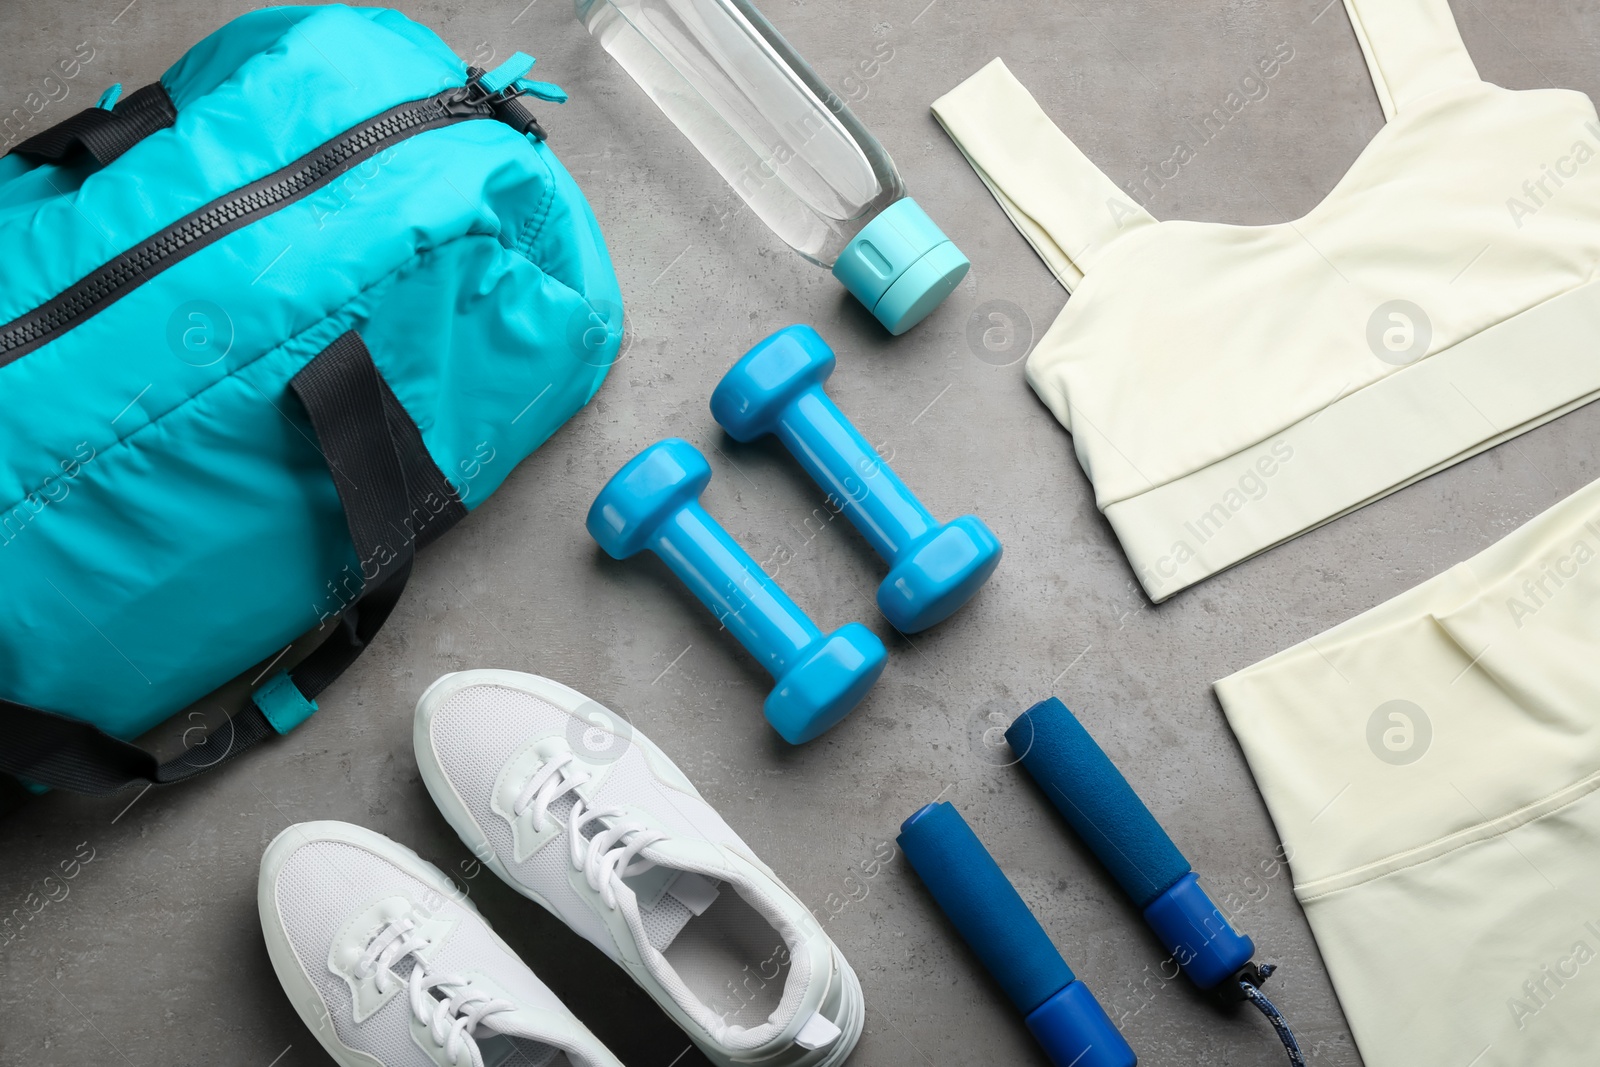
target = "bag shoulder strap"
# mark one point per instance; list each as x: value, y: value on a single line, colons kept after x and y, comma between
x: 394, y: 499
x: 1412, y: 47
x: 104, y: 134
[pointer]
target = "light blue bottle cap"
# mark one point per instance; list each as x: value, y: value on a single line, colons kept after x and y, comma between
x: 901, y: 266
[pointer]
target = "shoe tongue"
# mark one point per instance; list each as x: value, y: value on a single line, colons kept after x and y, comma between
x: 561, y: 807
x: 498, y: 1048
x: 403, y: 967
x: 502, y: 1039
x: 668, y: 898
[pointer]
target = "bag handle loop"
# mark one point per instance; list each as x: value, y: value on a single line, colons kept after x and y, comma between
x: 395, y: 499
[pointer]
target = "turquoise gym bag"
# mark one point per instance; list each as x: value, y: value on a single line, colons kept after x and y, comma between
x: 267, y: 327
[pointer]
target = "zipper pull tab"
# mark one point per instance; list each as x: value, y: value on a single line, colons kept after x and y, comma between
x: 506, y: 90
x: 547, y: 91
x: 507, y: 73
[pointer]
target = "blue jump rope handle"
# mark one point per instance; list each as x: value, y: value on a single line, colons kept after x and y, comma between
x: 973, y: 892
x: 1094, y: 797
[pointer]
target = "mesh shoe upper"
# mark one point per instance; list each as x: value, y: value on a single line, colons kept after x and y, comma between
x: 327, y: 889
x: 709, y: 930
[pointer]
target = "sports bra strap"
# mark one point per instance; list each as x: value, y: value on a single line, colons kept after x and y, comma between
x: 1412, y: 47
x: 1067, y: 209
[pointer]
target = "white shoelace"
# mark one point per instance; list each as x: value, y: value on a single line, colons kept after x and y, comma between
x: 454, y: 1019
x: 607, y: 857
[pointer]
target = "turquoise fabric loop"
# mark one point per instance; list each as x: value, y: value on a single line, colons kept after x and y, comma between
x: 543, y: 90
x: 506, y: 73
x: 281, y: 701
x: 108, y: 99
x: 513, y: 73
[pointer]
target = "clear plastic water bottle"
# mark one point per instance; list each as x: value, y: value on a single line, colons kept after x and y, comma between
x: 786, y: 144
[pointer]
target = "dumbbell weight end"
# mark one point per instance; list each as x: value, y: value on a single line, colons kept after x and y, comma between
x: 939, y: 574
x: 831, y: 678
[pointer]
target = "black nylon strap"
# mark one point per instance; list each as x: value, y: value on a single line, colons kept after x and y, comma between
x: 373, y: 449
x: 351, y: 635
x: 435, y: 506
x: 13, y: 794
x: 345, y: 397
x: 105, y: 135
x: 75, y: 755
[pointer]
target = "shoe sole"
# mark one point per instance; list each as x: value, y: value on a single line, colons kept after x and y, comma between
x: 455, y: 811
x: 852, y: 1022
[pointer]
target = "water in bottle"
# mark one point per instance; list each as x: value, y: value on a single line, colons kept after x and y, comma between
x: 786, y: 144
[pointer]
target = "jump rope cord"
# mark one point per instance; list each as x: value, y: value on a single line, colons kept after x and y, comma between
x: 1275, y: 1017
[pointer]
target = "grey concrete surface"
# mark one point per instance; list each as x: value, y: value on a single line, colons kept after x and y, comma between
x: 154, y: 956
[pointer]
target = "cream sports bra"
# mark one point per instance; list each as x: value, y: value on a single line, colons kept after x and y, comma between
x: 1230, y: 387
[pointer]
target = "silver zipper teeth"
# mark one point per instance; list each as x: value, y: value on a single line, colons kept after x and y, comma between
x: 93, y: 290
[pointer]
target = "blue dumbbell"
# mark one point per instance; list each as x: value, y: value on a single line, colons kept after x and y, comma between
x: 654, y: 502
x: 777, y: 388
x: 972, y: 891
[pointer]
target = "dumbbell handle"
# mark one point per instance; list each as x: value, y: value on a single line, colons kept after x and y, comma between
x: 734, y: 587
x: 839, y: 459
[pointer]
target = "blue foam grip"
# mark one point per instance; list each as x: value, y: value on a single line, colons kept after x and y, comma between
x: 1097, y: 801
x: 1207, y: 948
x: 985, y: 909
x: 1075, y: 1031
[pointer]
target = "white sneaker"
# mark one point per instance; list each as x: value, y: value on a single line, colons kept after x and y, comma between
x: 391, y: 966
x: 579, y: 812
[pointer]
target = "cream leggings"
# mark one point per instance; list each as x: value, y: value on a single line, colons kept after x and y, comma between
x: 1433, y: 765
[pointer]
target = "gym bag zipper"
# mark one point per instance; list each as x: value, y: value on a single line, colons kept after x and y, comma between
x: 109, y: 282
